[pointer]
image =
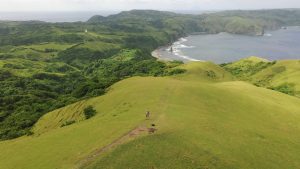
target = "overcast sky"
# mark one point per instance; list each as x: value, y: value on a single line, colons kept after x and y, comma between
x: 97, y: 5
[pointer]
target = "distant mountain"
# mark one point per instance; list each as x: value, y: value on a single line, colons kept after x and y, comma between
x: 97, y: 18
x: 135, y: 14
x: 250, y: 22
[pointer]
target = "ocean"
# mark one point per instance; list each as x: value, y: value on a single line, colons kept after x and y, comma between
x: 224, y: 47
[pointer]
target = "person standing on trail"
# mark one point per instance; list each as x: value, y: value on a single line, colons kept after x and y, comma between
x: 148, y: 114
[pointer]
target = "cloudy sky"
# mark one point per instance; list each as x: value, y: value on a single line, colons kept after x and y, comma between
x: 96, y: 5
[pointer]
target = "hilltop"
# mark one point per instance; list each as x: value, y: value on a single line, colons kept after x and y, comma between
x: 203, y: 118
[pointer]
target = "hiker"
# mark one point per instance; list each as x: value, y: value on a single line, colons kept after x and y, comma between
x: 148, y: 114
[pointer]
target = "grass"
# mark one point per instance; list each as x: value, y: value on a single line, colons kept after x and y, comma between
x: 247, y: 67
x: 125, y: 55
x: 42, y: 51
x: 26, y: 68
x: 44, y: 46
x: 99, y: 46
x: 202, y: 122
x: 23, y: 67
x: 287, y: 71
x: 28, y: 60
x: 283, y: 75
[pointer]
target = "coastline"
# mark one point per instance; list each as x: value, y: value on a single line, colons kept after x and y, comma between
x: 158, y: 55
x: 161, y: 53
x: 182, y: 52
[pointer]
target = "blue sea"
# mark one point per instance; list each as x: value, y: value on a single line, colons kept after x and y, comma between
x: 224, y: 47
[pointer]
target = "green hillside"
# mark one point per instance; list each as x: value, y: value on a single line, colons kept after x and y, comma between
x: 203, y: 119
x: 45, y: 66
x: 54, y: 77
x: 283, y: 75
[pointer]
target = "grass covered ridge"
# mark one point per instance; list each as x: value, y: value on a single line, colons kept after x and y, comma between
x: 283, y: 75
x: 200, y: 122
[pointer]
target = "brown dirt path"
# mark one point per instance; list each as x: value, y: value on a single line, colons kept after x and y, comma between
x: 128, y: 136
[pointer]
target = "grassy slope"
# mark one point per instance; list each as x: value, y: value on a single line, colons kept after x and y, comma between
x: 28, y: 60
x: 286, y: 71
x: 268, y: 74
x: 246, y: 67
x: 201, y: 124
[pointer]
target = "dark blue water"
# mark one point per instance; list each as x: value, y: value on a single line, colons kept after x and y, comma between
x: 224, y: 47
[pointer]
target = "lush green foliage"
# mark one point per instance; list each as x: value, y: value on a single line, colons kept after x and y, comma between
x: 46, y: 66
x: 282, y: 76
x: 250, y: 22
x: 245, y: 68
x: 287, y: 88
x: 89, y: 112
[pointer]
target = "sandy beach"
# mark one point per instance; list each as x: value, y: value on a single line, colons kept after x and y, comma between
x: 157, y: 54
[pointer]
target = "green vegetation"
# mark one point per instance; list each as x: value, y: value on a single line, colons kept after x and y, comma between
x: 247, y: 67
x: 55, y: 76
x: 251, y: 22
x: 67, y: 123
x: 196, y: 122
x: 286, y: 88
x: 89, y: 112
x: 282, y: 76
x: 45, y: 66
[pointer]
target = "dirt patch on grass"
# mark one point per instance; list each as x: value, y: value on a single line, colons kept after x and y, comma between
x: 128, y: 136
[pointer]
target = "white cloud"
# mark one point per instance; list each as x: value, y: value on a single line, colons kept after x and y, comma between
x: 85, y: 5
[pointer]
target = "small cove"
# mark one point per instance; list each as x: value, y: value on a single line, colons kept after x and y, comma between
x: 281, y: 44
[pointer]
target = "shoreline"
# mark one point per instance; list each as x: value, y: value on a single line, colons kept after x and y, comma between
x: 176, y: 56
x: 179, y: 48
x: 158, y: 55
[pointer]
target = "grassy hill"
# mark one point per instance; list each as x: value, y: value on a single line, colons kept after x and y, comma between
x: 283, y: 75
x: 51, y: 65
x: 47, y: 66
x: 203, y: 119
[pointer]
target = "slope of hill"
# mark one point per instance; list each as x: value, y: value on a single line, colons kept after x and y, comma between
x: 283, y: 75
x: 250, y: 22
x: 199, y: 122
x: 50, y: 65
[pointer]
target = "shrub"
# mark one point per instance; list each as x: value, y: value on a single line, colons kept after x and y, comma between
x: 211, y: 74
x: 49, y: 50
x: 287, y: 88
x: 89, y: 112
x: 29, y: 133
x: 49, y: 76
x: 5, y: 75
x: 174, y: 63
x: 176, y: 72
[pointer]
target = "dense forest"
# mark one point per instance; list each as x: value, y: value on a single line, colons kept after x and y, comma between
x: 45, y: 66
